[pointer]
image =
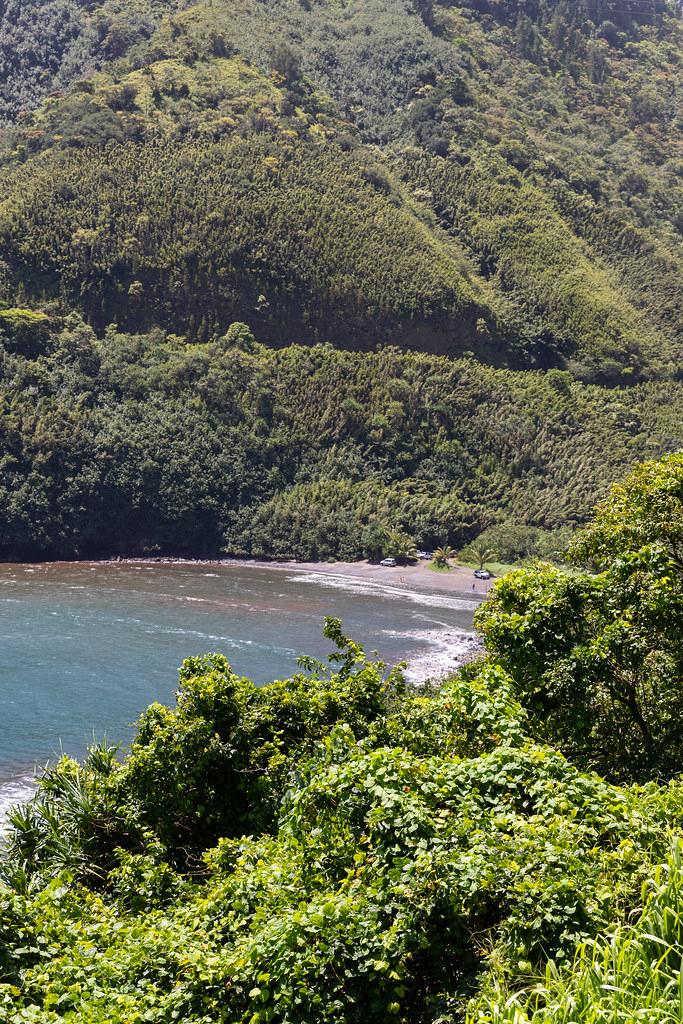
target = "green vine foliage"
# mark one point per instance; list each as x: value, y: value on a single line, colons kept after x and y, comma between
x: 328, y: 848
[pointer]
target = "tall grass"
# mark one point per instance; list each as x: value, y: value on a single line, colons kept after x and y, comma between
x: 633, y: 974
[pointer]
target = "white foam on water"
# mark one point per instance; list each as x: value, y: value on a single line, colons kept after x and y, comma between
x: 12, y: 792
x: 441, y: 652
x: 357, y: 585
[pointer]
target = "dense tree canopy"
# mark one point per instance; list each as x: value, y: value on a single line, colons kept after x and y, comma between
x: 146, y: 444
x: 46, y: 44
x: 480, y: 220
x: 290, y: 237
x: 597, y: 656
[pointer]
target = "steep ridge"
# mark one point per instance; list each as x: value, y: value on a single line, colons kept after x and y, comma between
x: 490, y: 250
x: 496, y: 183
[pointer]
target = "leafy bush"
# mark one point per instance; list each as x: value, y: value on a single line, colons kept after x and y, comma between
x: 407, y: 853
x: 633, y: 973
x: 597, y: 657
x: 417, y: 845
x: 217, y: 765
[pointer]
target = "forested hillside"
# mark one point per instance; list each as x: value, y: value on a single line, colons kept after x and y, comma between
x: 147, y: 444
x: 45, y: 45
x: 326, y: 279
x: 534, y: 233
x: 499, y: 184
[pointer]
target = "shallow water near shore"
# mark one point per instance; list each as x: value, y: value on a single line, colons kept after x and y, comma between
x: 85, y: 647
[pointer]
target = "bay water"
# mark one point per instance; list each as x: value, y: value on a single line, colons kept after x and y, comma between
x: 85, y: 647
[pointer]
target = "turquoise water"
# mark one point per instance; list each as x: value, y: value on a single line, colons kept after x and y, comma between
x: 85, y: 647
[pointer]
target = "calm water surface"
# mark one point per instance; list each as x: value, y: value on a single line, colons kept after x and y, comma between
x: 85, y: 647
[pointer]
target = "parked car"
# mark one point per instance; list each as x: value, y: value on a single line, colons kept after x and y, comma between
x: 425, y: 556
x: 390, y: 562
x: 482, y: 574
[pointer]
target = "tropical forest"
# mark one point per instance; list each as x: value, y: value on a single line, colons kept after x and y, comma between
x: 385, y: 292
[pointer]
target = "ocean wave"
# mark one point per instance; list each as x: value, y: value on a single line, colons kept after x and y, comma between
x: 442, y: 652
x: 15, y: 791
x: 357, y: 585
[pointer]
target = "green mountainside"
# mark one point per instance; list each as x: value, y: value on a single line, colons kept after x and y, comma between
x: 46, y: 45
x: 148, y: 443
x: 494, y: 182
x: 326, y: 279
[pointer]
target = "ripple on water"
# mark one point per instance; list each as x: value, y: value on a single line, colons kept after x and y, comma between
x: 85, y: 648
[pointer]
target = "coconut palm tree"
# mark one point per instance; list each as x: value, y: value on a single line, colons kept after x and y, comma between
x: 400, y: 546
x: 481, y: 553
x: 442, y: 556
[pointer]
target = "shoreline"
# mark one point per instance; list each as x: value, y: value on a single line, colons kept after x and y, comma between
x: 438, y: 651
x: 459, y: 581
x: 447, y: 649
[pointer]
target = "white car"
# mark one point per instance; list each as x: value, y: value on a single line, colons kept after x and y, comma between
x: 390, y: 562
x: 482, y: 574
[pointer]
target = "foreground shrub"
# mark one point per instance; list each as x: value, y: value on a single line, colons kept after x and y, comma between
x: 216, y: 765
x: 332, y: 849
x: 596, y: 656
x: 631, y: 975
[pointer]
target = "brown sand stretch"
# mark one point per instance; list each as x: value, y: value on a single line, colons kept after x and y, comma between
x: 458, y: 580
